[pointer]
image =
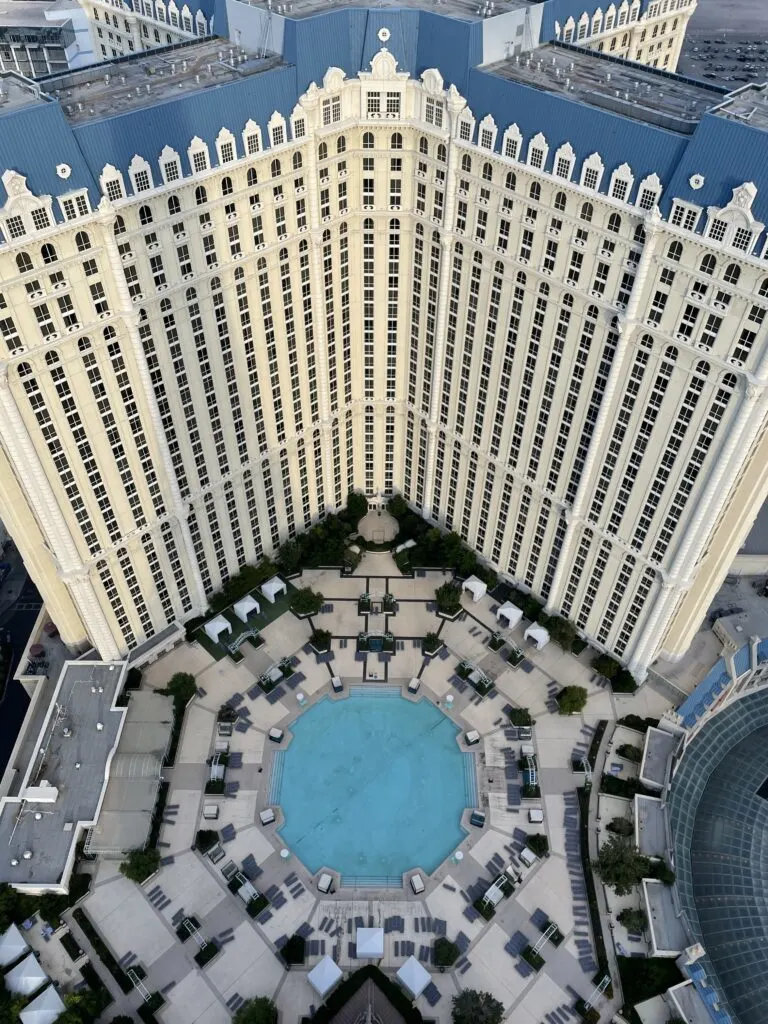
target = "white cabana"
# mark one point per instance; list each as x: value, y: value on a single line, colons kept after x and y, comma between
x: 46, y: 1009
x: 273, y: 587
x: 12, y: 946
x: 538, y: 634
x: 244, y: 607
x: 475, y: 586
x: 369, y: 943
x: 217, y: 626
x: 324, y: 976
x: 26, y: 977
x: 511, y: 613
x: 413, y: 977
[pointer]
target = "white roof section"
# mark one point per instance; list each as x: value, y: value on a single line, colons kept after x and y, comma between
x: 12, y: 945
x: 538, y: 634
x: 511, y: 613
x: 476, y: 587
x: 369, y: 943
x: 217, y: 626
x: 324, y: 975
x: 404, y: 546
x: 413, y: 976
x: 273, y: 587
x: 245, y: 606
x: 46, y: 1009
x: 26, y: 977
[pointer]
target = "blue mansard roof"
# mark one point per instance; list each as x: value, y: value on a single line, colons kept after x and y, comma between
x: 724, y: 152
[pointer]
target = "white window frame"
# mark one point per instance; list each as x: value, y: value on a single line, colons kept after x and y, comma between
x: 111, y: 175
x: 225, y: 136
x: 538, y: 144
x: 251, y: 131
x: 277, y: 122
x: 198, y: 148
x: 487, y: 128
x: 170, y: 156
x: 592, y: 163
x: 512, y: 139
x: 136, y: 167
x: 622, y: 174
x: 564, y: 153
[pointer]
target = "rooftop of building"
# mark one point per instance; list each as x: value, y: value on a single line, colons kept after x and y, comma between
x: 748, y: 105
x: 690, y: 1004
x: 664, y: 918
x: 132, y: 83
x: 650, y: 818
x: 619, y: 86
x: 65, y: 776
x: 465, y: 10
x: 659, y: 746
x: 32, y: 13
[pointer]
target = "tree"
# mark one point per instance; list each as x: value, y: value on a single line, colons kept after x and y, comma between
x: 446, y: 952
x: 631, y: 753
x: 633, y: 920
x: 448, y: 598
x: 182, y: 687
x: 357, y: 506
x: 620, y: 865
x: 562, y: 632
x: 432, y: 643
x: 307, y: 602
x: 320, y: 639
x: 397, y: 506
x: 538, y: 843
x: 621, y: 826
x: 140, y: 864
x: 473, y: 1007
x: 606, y: 665
x: 256, y: 1011
x: 520, y: 716
x: 571, y: 700
x: 289, y: 557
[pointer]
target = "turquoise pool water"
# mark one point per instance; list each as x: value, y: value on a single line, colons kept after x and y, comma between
x: 373, y: 786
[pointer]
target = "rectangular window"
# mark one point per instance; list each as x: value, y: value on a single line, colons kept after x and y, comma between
x: 591, y: 177
x: 40, y: 219
x: 227, y: 150
x: 141, y: 181
x: 15, y: 227
x: 393, y: 103
x: 717, y: 230
x: 171, y: 171
x: 373, y: 104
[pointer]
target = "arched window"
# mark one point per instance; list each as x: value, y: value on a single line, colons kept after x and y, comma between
x: 441, y: 153
x: 423, y: 146
x: 109, y: 333
x: 24, y: 370
x: 567, y: 300
x: 466, y: 163
x: 510, y: 181
x: 190, y: 294
x: 341, y: 144
x: 119, y: 227
x: 174, y: 206
x: 84, y: 344
x: 560, y: 201
x: 586, y: 211
x: 396, y: 142
x: 275, y: 169
x: 252, y: 177
x: 614, y: 223
x: 51, y: 358
x: 322, y: 151
x: 82, y: 241
x: 675, y: 251
x: 226, y: 186
x: 24, y: 263
x: 543, y: 288
x: 367, y: 140
x: 535, y: 191
x: 708, y: 265
x: 297, y: 161
x: 145, y: 215
x: 215, y: 284
x: 732, y: 273
x: 487, y: 172
x: 49, y: 253
x: 639, y: 235
x: 201, y: 196
x: 521, y: 278
x: 762, y: 291
x: 671, y: 353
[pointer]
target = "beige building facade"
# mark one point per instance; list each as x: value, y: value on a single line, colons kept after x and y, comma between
x: 380, y: 290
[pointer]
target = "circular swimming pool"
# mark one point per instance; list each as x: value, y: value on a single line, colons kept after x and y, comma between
x: 372, y: 786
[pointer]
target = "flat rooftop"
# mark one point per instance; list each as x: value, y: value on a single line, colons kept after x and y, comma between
x: 65, y: 777
x: 31, y: 13
x: 623, y: 87
x: 690, y: 1004
x: 464, y: 10
x: 105, y: 89
x: 664, y: 919
x: 650, y: 818
x: 659, y: 745
x: 750, y: 106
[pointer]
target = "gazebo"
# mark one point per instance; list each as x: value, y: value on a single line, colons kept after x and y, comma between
x: 26, y: 977
x: 273, y: 587
x: 245, y: 606
x: 12, y: 945
x: 538, y: 634
x: 46, y: 1009
x: 369, y: 943
x: 476, y: 588
x: 413, y: 977
x: 511, y: 613
x: 216, y: 627
x: 324, y: 976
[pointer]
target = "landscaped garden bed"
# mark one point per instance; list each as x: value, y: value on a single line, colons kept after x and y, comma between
x: 590, y: 1016
x: 101, y: 950
x: 255, y: 906
x: 477, y: 679
x: 182, y: 932
x: 364, y: 604
x: 539, y: 844
x: 71, y: 945
x: 496, y: 641
x: 269, y: 680
x: 215, y: 787
x: 148, y: 1009
x: 376, y: 643
x: 534, y: 959
x: 484, y: 909
x: 557, y: 937
x: 431, y: 645
x: 320, y: 641
x: 209, y: 951
x: 520, y: 716
x: 294, y: 951
x: 515, y: 655
x: 389, y: 604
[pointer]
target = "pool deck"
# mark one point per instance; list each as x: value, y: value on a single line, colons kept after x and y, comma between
x: 247, y: 965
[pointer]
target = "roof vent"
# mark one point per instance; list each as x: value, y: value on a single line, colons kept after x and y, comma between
x: 38, y: 816
x: 14, y: 862
x: 99, y: 726
x: 27, y: 855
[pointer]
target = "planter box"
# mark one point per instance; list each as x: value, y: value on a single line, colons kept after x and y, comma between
x: 431, y: 654
x: 447, y: 617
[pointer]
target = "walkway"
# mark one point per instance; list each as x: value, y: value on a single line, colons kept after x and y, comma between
x: 378, y: 527
x: 124, y: 1003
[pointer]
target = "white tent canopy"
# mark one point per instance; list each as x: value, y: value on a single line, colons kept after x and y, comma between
x: 244, y: 607
x: 538, y: 634
x: 369, y: 943
x: 413, y: 977
x: 217, y: 626
x: 475, y: 586
x: 47, y: 1008
x: 273, y: 587
x: 511, y: 613
x: 26, y: 977
x: 323, y: 976
x: 12, y: 945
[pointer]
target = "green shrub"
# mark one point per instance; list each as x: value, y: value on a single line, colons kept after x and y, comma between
x: 321, y: 640
x: 645, y: 977
x: 630, y: 753
x: 205, y: 839
x: 633, y: 920
x: 215, y: 787
x: 140, y: 864
x: 431, y: 643
x: 474, y: 1007
x: 623, y: 682
x: 448, y: 597
x: 520, y: 716
x: 534, y: 959
x: 620, y: 866
x: 531, y: 608
x: 621, y: 826
x: 538, y: 843
x: 446, y: 952
x: 306, y: 602
x: 256, y: 1011
x: 357, y: 507
x: 571, y: 700
x: 256, y: 905
x: 484, y: 909
x: 562, y: 632
x: 637, y: 723
x: 607, y: 666
x: 397, y: 506
x: 590, y: 1016
x: 207, y: 953
x: 294, y: 951
x: 662, y: 872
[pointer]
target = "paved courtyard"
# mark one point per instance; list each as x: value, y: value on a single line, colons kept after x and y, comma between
x: 140, y: 922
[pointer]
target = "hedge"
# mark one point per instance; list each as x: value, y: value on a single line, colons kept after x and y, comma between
x: 101, y: 950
